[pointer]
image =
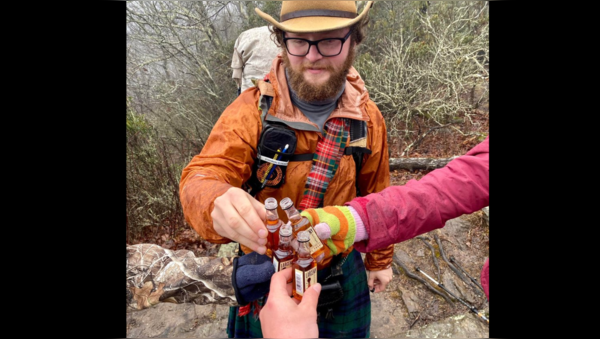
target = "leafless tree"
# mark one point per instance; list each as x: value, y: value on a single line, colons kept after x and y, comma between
x: 432, y: 64
x: 423, y: 62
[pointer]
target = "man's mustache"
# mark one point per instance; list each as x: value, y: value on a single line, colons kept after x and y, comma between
x: 306, y: 66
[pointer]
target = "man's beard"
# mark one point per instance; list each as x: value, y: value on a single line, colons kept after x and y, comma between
x: 309, y: 92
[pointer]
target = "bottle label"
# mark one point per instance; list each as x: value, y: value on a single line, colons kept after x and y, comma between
x: 310, y: 277
x: 281, y: 265
x: 315, y: 242
x: 305, y: 279
x: 298, y: 280
x: 285, y: 264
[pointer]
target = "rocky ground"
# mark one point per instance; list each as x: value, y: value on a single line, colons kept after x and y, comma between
x: 407, y: 308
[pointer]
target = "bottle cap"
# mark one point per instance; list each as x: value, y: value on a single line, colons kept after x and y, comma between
x: 302, y: 236
x: 285, y: 230
x: 286, y: 203
x: 271, y: 203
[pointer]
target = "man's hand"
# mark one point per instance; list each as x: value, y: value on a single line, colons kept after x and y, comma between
x: 378, y: 280
x: 240, y: 217
x: 284, y: 317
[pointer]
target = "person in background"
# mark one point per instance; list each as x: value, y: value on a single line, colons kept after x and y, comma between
x: 396, y: 214
x: 253, y: 53
x: 318, y: 94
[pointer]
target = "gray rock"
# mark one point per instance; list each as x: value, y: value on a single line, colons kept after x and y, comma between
x: 188, y: 320
x: 228, y: 250
x: 459, y: 326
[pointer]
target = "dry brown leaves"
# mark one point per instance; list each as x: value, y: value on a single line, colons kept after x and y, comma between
x: 145, y: 297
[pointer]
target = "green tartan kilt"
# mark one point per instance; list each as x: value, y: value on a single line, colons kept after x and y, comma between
x: 351, y: 318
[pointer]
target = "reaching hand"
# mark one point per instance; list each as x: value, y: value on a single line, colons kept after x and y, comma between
x: 284, y: 317
x: 251, y: 277
x: 335, y: 225
x: 378, y: 280
x: 240, y: 217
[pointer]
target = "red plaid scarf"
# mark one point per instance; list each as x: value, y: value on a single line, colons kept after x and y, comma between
x: 325, y: 162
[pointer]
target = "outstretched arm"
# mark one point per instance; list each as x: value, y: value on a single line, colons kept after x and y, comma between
x: 400, y: 213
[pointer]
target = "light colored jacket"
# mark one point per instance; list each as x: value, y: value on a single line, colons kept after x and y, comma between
x: 229, y: 153
x: 253, y: 53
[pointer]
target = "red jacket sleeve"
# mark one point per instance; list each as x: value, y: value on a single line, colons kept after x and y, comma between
x: 400, y: 213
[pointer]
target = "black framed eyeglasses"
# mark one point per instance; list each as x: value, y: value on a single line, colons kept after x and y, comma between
x: 327, y: 47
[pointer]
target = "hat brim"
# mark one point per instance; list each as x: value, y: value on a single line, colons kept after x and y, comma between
x: 314, y: 23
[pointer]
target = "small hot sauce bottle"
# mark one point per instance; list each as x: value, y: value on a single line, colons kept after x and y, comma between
x: 300, y: 223
x: 305, y: 267
x: 273, y: 224
x: 284, y: 255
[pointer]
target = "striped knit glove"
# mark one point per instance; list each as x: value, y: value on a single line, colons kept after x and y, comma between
x: 341, y: 225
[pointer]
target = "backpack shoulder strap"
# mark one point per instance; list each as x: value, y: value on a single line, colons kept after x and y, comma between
x: 253, y: 186
x: 266, y: 97
x: 357, y: 146
x: 265, y: 87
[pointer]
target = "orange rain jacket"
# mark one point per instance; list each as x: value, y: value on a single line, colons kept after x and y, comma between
x: 229, y: 153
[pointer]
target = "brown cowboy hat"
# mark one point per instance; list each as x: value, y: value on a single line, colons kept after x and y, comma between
x: 316, y: 16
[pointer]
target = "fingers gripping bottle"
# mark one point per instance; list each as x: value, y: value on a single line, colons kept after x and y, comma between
x: 284, y: 255
x: 305, y: 267
x: 300, y: 223
x: 273, y: 224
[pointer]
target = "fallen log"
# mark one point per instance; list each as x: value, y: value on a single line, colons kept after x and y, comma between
x: 419, y: 163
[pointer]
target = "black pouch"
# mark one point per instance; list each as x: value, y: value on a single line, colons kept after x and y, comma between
x: 331, y: 289
x: 272, y: 160
x: 331, y: 293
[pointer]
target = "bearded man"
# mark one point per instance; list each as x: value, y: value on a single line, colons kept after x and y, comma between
x: 319, y: 95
